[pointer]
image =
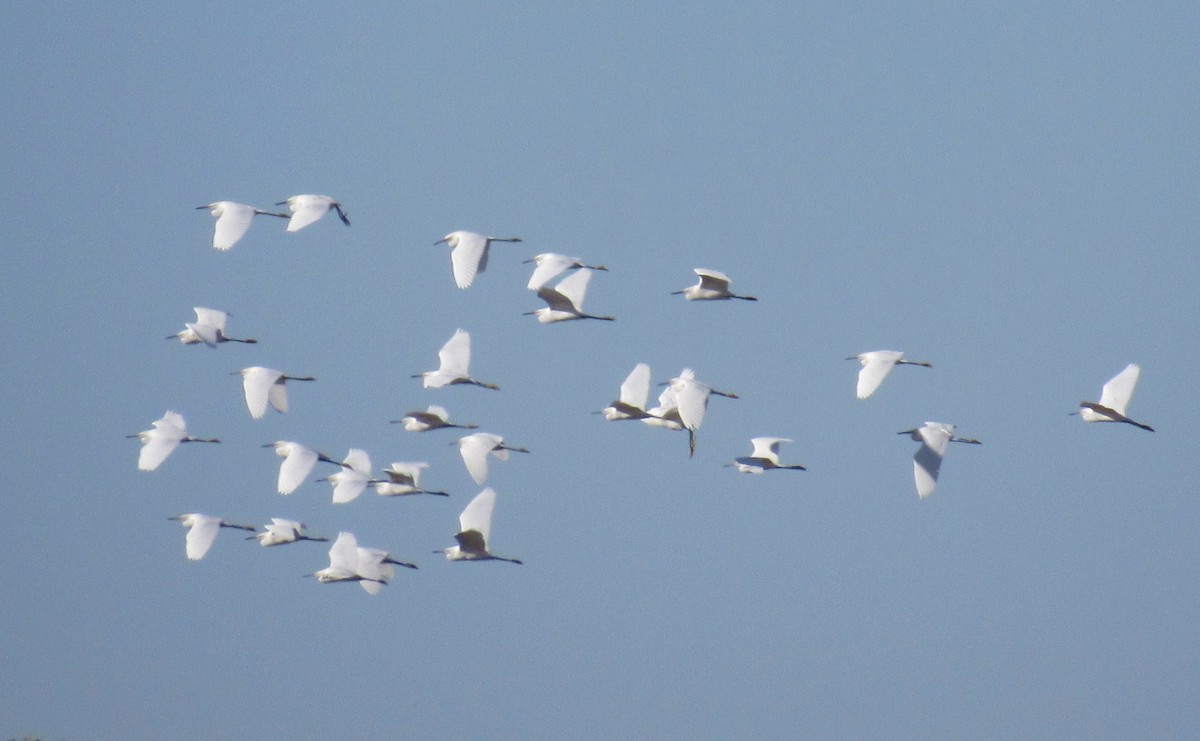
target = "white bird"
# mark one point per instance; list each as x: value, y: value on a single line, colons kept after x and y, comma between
x: 266, y: 384
x: 691, y: 399
x: 309, y: 208
x: 666, y: 413
x: 280, y: 532
x: 934, y: 437
x: 475, y: 525
x: 376, y: 568
x: 876, y: 365
x: 713, y: 285
x: 433, y: 418
x: 344, y: 565
x: 549, y: 265
x: 631, y: 401
x: 233, y: 219
x: 349, y: 482
x: 469, y: 254
x: 403, y: 479
x: 474, y: 450
x: 765, y: 456
x: 298, y: 462
x: 1114, y: 398
x: 208, y: 328
x: 202, y: 531
x: 168, y: 432
x: 455, y: 357
x: 565, y: 300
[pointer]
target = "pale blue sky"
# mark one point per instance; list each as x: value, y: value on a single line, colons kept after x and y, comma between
x: 1008, y: 192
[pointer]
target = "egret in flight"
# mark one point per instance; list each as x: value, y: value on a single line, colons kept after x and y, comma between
x: 876, y: 365
x: 208, y: 328
x: 631, y: 400
x: 159, y: 442
x: 475, y: 525
x: 469, y: 254
x: 565, y: 300
x: 1114, y: 398
x: 233, y: 219
x: 549, y: 265
x: 691, y: 399
x: 474, y: 450
x: 345, y: 564
x: 262, y: 385
x: 280, y: 532
x: 765, y: 456
x: 298, y: 462
x: 713, y: 286
x: 404, y: 478
x: 202, y: 531
x: 935, y: 438
x: 433, y: 418
x: 309, y: 208
x: 349, y: 482
x: 455, y: 357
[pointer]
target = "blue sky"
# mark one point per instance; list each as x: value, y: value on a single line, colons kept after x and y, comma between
x: 1006, y: 192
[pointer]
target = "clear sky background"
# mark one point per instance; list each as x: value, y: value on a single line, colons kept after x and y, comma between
x: 1007, y: 191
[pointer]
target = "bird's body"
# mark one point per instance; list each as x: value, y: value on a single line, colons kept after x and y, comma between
x: 233, y: 219
x: 876, y: 365
x: 549, y: 265
x: 433, y: 418
x: 266, y: 385
x: 1114, y: 399
x: 666, y: 413
x: 309, y: 208
x: 935, y: 438
x: 298, y: 462
x: 344, y: 565
x: 475, y: 525
x: 202, y: 531
x: 280, y: 532
x: 404, y: 478
x: 631, y: 401
x: 713, y: 286
x: 161, y: 440
x: 350, y: 482
x: 565, y: 300
x: 691, y: 399
x: 765, y: 456
x: 469, y: 254
x: 455, y: 361
x: 474, y: 450
x: 208, y: 328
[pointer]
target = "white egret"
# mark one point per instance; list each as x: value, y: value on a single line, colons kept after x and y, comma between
x: 713, y: 286
x: 691, y: 399
x: 376, y: 567
x: 475, y: 525
x: 666, y: 414
x: 168, y: 432
x: 262, y: 385
x: 404, y: 478
x: 765, y: 456
x: 345, y: 562
x: 208, y: 328
x: 474, y: 450
x: 455, y: 357
x: 469, y: 254
x: 631, y: 401
x: 233, y: 219
x: 565, y: 300
x: 298, y: 462
x: 876, y: 365
x: 280, y: 532
x: 1114, y: 398
x: 935, y: 438
x: 309, y: 208
x: 549, y: 265
x: 349, y: 482
x: 202, y: 531
x: 433, y: 418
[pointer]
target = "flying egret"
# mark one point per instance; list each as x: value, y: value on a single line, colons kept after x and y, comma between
x: 713, y: 286
x: 376, y: 567
x: 455, y: 357
x: 549, y: 265
x: 168, y: 432
x: 298, y: 462
x: 631, y: 401
x: 469, y: 254
x: 403, y: 479
x: 266, y: 384
x: 474, y: 450
x: 876, y: 365
x: 208, y: 328
x: 433, y: 418
x: 280, y: 532
x: 565, y: 300
x: 345, y: 563
x: 475, y: 524
x: 309, y: 208
x: 765, y: 456
x: 934, y: 437
x: 666, y: 414
x: 233, y: 219
x: 202, y: 531
x: 691, y: 399
x: 349, y: 482
x: 1114, y: 398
